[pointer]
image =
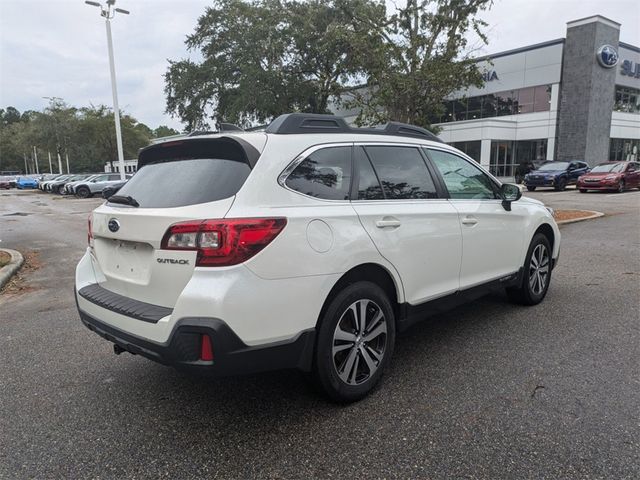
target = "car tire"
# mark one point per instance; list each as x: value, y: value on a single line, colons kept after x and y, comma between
x: 562, y: 184
x: 536, y: 273
x: 61, y: 190
x: 347, y: 366
x: 621, y: 186
x: 583, y: 190
x: 83, y: 192
x: 531, y: 189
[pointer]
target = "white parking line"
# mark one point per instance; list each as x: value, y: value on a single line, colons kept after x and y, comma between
x: 621, y: 194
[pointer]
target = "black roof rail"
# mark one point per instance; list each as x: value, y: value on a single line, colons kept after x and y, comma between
x: 292, y: 123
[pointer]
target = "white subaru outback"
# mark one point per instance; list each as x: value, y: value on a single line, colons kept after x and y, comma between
x: 305, y: 246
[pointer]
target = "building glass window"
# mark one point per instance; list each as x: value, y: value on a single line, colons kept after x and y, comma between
x: 525, y: 100
x: 542, y: 98
x: 513, y: 102
x: 470, y: 148
x: 627, y: 99
x: 509, y: 158
x: 474, y: 108
x: 624, y: 149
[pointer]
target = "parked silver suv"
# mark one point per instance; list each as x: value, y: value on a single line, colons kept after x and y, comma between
x: 97, y: 184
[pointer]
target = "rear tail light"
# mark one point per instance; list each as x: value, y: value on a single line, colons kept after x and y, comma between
x: 222, y: 243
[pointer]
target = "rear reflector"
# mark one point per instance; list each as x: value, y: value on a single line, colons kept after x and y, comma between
x: 221, y: 243
x: 90, y: 230
x: 206, y: 350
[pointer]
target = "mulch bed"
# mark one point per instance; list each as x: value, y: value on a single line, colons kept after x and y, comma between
x: 561, y: 215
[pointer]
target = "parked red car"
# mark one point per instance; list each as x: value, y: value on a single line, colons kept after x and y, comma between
x: 618, y: 176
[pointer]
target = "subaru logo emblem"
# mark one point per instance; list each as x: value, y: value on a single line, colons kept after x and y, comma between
x: 607, y: 56
x: 114, y: 225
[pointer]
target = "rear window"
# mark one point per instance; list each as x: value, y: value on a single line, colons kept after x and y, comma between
x: 186, y: 182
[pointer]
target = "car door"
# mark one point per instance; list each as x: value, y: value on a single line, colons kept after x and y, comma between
x: 492, y: 237
x: 411, y: 225
x: 632, y: 175
x: 96, y: 184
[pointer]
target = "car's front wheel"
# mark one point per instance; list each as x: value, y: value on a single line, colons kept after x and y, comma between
x: 531, y: 189
x: 561, y: 185
x: 536, y: 273
x: 355, y: 342
x: 583, y: 190
x: 83, y: 192
x: 621, y: 186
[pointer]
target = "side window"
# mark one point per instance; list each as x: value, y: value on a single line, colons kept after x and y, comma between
x: 462, y: 179
x: 101, y: 178
x: 583, y: 165
x: 368, y: 184
x: 402, y: 172
x: 326, y: 173
x: 114, y: 177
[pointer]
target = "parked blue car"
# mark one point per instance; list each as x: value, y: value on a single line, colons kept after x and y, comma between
x: 26, y: 182
x: 555, y: 174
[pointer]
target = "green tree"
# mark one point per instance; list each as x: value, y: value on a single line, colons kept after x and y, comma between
x: 423, y: 57
x: 266, y: 57
x: 97, y: 127
x: 86, y: 135
x: 164, y: 131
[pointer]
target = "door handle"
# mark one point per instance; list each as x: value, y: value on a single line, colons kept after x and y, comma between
x: 469, y: 221
x: 388, y: 222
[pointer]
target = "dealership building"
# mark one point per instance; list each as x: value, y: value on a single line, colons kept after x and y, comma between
x: 574, y: 98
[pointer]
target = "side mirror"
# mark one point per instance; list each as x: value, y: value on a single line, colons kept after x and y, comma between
x: 509, y: 193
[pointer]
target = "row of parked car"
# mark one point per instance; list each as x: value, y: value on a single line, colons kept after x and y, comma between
x: 83, y: 185
x: 615, y: 176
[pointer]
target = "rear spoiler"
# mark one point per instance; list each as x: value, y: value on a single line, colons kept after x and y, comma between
x: 226, y: 148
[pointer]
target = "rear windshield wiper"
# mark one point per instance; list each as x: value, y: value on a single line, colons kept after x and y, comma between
x: 125, y: 200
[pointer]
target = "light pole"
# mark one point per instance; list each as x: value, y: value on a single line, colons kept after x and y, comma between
x: 53, y: 102
x: 108, y: 12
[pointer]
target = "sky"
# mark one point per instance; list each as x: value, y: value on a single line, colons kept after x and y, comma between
x: 58, y: 47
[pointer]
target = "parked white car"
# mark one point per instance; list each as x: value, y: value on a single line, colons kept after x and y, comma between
x: 305, y: 246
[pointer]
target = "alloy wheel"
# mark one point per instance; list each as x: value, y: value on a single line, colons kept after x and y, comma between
x: 539, y: 269
x: 359, y: 342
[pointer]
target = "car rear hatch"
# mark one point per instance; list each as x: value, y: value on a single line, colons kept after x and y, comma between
x: 192, y: 179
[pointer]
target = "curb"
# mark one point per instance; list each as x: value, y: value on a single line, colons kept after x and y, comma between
x: 12, y: 267
x: 594, y: 214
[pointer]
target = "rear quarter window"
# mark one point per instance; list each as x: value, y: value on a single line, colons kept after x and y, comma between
x: 325, y: 173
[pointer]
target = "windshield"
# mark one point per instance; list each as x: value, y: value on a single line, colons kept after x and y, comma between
x: 608, y: 167
x: 554, y: 166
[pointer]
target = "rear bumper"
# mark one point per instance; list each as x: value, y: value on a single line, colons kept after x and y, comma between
x: 230, y: 355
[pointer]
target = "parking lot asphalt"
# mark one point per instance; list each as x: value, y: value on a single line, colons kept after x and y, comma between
x: 489, y: 390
